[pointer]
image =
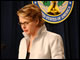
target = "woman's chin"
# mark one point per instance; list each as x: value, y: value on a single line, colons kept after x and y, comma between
x: 26, y: 33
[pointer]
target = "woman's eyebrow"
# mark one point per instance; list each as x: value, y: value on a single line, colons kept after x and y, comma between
x: 24, y: 22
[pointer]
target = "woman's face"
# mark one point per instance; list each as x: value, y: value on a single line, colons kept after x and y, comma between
x: 27, y: 26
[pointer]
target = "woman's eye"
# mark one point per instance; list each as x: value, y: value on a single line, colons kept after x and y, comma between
x: 27, y: 22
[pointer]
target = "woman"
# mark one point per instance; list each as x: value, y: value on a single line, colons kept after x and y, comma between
x: 37, y: 43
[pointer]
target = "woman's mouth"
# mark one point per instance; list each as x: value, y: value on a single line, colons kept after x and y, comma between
x: 25, y: 30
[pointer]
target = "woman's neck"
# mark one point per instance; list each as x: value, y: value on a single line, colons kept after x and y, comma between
x: 34, y: 34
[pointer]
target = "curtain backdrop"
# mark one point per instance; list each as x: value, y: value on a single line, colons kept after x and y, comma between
x: 11, y: 32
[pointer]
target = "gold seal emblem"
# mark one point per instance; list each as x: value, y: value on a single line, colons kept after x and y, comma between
x: 55, y: 11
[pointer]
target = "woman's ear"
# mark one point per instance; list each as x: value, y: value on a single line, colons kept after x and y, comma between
x: 37, y: 22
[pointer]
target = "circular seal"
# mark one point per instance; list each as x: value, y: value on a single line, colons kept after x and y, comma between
x: 55, y: 11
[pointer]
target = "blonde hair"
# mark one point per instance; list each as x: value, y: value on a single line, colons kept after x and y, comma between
x: 32, y: 11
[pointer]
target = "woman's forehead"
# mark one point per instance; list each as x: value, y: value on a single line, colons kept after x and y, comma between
x: 28, y: 18
x: 25, y: 18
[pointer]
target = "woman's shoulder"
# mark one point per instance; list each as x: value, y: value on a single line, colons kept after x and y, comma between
x: 53, y: 37
x: 53, y: 34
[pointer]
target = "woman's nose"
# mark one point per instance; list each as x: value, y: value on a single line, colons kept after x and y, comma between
x: 23, y: 27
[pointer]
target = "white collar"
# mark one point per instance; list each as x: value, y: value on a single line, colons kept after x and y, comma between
x: 41, y: 30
